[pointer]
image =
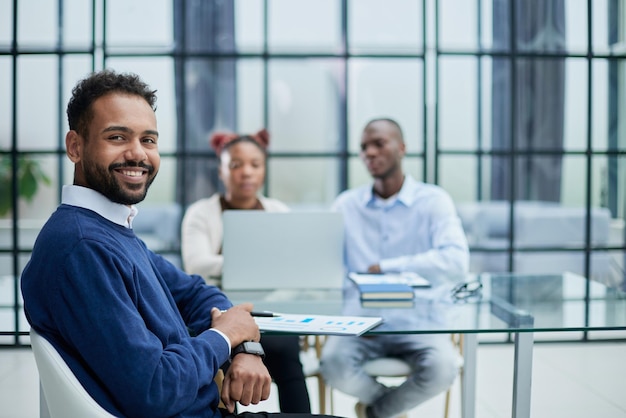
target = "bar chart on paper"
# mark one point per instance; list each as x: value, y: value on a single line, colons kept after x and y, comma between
x: 318, y: 324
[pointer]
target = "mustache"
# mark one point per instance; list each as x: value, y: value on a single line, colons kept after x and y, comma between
x: 128, y: 164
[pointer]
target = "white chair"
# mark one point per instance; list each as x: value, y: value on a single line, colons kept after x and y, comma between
x: 61, y: 393
x: 310, y: 359
x: 394, y: 367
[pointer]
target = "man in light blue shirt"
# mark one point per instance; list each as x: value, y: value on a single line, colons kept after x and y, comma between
x: 396, y: 224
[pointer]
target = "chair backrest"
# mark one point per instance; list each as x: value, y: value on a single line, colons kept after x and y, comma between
x: 64, y: 395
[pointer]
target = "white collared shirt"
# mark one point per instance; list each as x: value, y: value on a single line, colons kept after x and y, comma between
x: 86, y: 198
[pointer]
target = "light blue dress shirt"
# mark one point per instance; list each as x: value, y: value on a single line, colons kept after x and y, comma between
x: 416, y: 230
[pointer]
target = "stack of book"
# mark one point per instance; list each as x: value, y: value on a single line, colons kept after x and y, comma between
x: 391, y: 290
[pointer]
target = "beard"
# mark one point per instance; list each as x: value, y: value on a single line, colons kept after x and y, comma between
x: 103, y: 180
x: 382, y: 173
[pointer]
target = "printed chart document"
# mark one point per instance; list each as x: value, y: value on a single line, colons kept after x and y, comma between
x: 318, y: 324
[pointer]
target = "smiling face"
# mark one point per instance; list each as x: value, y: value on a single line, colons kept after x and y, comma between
x: 119, y: 156
x: 382, y: 149
x: 242, y: 170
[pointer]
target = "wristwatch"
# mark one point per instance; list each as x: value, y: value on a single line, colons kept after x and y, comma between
x: 248, y: 347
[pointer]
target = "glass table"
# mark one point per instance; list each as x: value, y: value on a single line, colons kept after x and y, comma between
x: 521, y: 305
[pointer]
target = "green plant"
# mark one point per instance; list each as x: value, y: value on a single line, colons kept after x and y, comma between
x: 29, y: 175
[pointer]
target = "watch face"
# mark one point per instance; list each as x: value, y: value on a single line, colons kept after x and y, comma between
x: 252, y: 347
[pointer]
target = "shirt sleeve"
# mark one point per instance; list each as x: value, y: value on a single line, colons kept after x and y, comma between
x: 230, y: 346
x: 194, y: 298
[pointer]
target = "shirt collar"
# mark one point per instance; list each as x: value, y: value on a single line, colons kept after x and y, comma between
x: 406, y: 195
x: 86, y: 198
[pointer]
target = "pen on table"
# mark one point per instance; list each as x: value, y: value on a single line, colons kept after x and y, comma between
x: 264, y: 314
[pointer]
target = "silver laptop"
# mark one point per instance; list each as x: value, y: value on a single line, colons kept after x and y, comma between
x: 291, y: 250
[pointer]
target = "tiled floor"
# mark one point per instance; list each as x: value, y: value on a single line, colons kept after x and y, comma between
x: 569, y: 380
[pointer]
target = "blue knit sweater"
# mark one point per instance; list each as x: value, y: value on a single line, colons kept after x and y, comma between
x: 121, y: 317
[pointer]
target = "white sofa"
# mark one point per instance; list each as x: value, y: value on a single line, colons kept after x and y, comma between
x: 544, y: 225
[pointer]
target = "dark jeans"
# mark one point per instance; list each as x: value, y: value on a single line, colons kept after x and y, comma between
x: 282, y: 359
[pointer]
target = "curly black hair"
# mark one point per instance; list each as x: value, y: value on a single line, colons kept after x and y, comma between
x: 98, y: 84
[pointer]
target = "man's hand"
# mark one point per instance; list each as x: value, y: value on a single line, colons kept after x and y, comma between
x: 236, y: 323
x: 375, y: 268
x: 247, y: 381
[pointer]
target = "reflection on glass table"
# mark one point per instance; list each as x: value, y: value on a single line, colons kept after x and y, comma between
x: 523, y: 305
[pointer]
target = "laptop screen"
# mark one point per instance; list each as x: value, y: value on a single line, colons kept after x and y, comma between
x: 287, y: 250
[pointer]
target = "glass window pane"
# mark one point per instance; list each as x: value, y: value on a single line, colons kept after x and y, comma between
x: 204, y: 26
x: 250, y: 93
x: 575, y: 105
x: 163, y: 189
x: 485, y: 101
x: 249, y: 25
x: 458, y: 104
x: 540, y: 91
x: 551, y: 104
x: 68, y: 171
x: 573, y: 178
x: 458, y: 24
x: 304, y: 108
x: 616, y: 263
x: 139, y: 23
x: 483, y: 185
x: 500, y: 94
x: 374, y: 93
x: 485, y: 13
x: 37, y: 89
x: 77, y: 28
x: 303, y: 183
x: 6, y: 243
x: 75, y: 68
x: 304, y: 26
x: 35, y: 210
x: 458, y: 176
x: 617, y: 97
x: 541, y: 25
x: 546, y: 178
x: 6, y: 23
x: 399, y: 22
x: 576, y: 17
x: 37, y: 23
x: 600, y: 105
x: 608, y: 175
x: 357, y: 173
x: 7, y: 323
x: 158, y: 73
x: 6, y: 103
x: 207, y: 102
x: 549, y: 178
x: 616, y: 184
x: 205, y: 180
x: 600, y: 24
x: 414, y: 166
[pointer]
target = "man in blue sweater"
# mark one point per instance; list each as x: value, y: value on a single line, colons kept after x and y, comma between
x: 143, y: 338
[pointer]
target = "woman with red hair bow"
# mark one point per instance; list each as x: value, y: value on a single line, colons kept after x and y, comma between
x: 242, y: 161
